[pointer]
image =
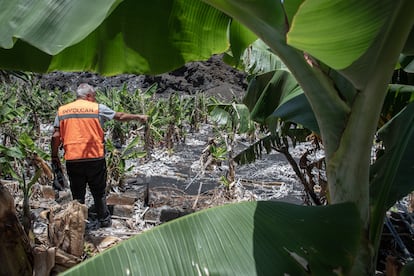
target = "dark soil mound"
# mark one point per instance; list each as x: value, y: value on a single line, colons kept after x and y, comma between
x: 212, y: 77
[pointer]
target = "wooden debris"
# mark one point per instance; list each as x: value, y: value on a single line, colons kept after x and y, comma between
x: 118, y: 199
x: 123, y: 211
x: 260, y: 183
x: 44, y: 260
x: 64, y: 261
x: 108, y: 242
x: 67, y: 225
x: 48, y: 192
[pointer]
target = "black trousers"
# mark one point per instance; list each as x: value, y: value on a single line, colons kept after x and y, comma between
x: 92, y: 173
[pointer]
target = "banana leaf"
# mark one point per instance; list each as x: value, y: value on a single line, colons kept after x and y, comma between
x: 408, y: 269
x: 240, y: 38
x: 391, y: 176
x: 259, y: 59
x: 316, y: 18
x: 250, y: 238
x: 233, y: 116
x: 50, y: 26
x: 396, y: 164
x: 407, y: 63
x: 398, y: 97
x: 109, y: 37
x: 278, y: 94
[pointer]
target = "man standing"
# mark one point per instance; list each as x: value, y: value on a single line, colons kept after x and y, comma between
x: 79, y: 127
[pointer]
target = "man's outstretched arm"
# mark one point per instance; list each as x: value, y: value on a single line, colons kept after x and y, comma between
x: 123, y: 117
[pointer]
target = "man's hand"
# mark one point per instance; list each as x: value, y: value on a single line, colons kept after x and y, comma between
x: 143, y: 118
x: 59, y: 180
x: 56, y: 162
x: 124, y: 117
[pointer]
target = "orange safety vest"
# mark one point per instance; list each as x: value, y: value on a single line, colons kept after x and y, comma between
x: 80, y: 130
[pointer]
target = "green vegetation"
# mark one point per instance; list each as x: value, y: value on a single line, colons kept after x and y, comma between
x: 171, y: 118
x: 343, y: 75
x: 20, y: 157
x: 27, y: 114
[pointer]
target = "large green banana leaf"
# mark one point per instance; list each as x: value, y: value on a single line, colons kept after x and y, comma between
x: 240, y: 38
x: 50, y: 26
x: 259, y: 59
x: 32, y: 31
x: 278, y: 94
x: 315, y: 19
x: 250, y: 238
x: 396, y: 164
x: 137, y: 36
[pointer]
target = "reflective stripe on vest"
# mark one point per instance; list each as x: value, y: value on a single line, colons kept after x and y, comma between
x: 81, y: 133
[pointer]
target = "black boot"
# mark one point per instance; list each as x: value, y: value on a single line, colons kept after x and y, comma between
x: 105, y: 222
x: 104, y: 216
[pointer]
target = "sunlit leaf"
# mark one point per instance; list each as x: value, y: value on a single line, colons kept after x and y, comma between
x: 259, y: 59
x: 240, y: 38
x: 149, y: 37
x: 50, y: 26
x: 337, y: 32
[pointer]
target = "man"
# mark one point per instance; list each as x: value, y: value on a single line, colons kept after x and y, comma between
x: 79, y: 127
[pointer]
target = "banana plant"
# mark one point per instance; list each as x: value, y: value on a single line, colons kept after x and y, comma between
x: 342, y: 54
x: 229, y: 120
x: 24, y: 161
x: 344, y: 85
x: 116, y: 164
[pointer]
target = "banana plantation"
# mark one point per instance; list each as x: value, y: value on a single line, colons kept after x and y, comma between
x: 335, y: 73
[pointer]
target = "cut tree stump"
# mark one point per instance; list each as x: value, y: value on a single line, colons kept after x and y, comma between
x: 67, y: 225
